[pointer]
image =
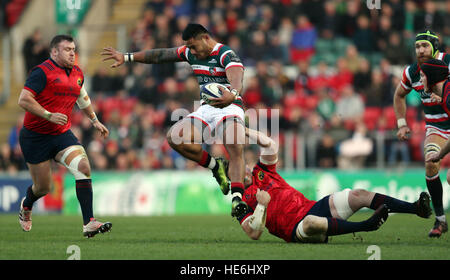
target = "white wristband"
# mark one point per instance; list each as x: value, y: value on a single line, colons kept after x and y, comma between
x: 94, y: 119
x: 128, y: 57
x: 401, y: 122
x: 235, y: 92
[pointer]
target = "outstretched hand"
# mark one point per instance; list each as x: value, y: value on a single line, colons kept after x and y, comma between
x: 111, y: 53
x: 101, y: 128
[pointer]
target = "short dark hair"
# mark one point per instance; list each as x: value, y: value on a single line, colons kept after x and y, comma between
x: 58, y: 39
x: 192, y: 30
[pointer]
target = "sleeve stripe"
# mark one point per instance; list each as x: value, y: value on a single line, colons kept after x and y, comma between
x: 407, y: 75
x: 404, y: 85
x: 234, y: 64
x: 30, y: 90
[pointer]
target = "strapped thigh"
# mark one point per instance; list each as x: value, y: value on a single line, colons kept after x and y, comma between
x: 341, y: 204
x: 71, y: 158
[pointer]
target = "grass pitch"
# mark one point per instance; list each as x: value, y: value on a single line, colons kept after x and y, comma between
x: 402, y: 237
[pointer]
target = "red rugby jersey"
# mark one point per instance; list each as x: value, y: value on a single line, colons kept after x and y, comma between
x: 61, y: 91
x: 287, y: 205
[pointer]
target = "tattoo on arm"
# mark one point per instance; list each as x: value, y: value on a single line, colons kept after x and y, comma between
x: 161, y: 56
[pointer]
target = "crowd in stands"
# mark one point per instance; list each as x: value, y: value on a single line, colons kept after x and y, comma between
x: 327, y: 66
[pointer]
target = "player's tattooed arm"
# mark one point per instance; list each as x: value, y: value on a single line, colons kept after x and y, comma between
x: 156, y: 56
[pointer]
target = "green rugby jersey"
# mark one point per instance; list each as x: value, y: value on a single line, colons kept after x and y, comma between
x: 212, y: 69
x: 435, y: 114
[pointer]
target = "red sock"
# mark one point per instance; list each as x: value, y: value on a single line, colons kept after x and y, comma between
x: 237, y: 187
x: 206, y: 158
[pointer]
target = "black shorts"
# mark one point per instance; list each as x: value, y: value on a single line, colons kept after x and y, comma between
x: 320, y: 209
x: 37, y: 147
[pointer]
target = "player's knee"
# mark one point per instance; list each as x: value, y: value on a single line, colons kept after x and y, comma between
x: 76, y: 161
x: 84, y: 167
x: 235, y: 150
x: 311, y: 225
x: 358, y: 194
x: 358, y: 198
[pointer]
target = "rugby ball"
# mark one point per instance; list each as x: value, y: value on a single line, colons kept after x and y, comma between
x: 211, y: 90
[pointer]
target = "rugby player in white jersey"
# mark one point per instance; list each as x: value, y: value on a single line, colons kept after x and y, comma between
x: 211, y: 62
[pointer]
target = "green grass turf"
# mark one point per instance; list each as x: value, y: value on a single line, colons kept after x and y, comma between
x: 209, y: 237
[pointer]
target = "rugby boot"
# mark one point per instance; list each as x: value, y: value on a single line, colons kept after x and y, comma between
x: 220, y: 173
x: 438, y: 229
x: 238, y: 207
x: 94, y: 227
x: 423, y: 205
x: 24, y: 217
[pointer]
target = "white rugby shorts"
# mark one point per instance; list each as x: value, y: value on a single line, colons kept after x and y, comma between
x: 212, y: 117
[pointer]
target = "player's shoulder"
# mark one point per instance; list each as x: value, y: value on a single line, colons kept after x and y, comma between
x: 411, y: 72
x: 222, y: 48
x: 77, y: 69
x: 445, y: 57
x: 46, y: 65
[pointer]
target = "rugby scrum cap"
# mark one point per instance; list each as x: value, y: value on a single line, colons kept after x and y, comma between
x: 431, y: 38
x: 435, y: 70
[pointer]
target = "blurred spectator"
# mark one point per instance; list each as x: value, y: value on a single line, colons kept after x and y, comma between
x: 395, y: 50
x: 326, y: 106
x: 362, y: 79
x: 350, y: 105
x: 354, y: 151
x: 398, y: 148
x: 343, y: 75
x: 326, y: 152
x: 303, y: 39
x: 348, y: 21
x: 430, y: 18
x: 101, y: 81
x: 252, y: 94
x: 352, y: 58
x: 330, y: 22
x: 375, y: 93
x: 34, y: 50
x: 363, y: 36
x: 148, y: 93
x: 322, y: 79
x: 301, y: 84
x: 260, y: 51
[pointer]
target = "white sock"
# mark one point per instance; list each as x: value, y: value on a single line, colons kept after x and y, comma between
x: 441, y: 218
x: 236, y: 194
x: 212, y: 163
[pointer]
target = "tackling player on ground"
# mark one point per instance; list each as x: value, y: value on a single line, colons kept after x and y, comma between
x: 211, y: 62
x: 48, y: 97
x: 434, y: 76
x: 436, y: 118
x: 289, y: 215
